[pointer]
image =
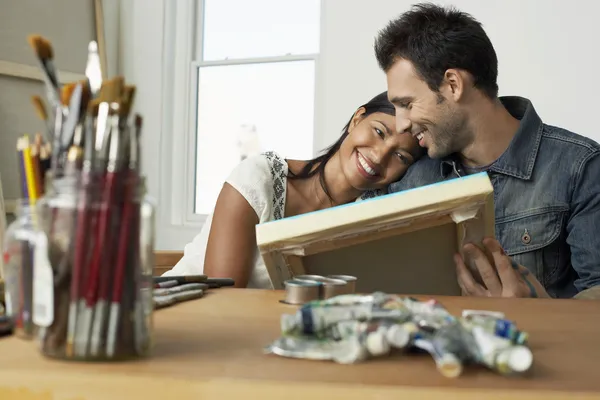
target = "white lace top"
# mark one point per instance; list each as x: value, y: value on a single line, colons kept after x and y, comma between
x: 262, y: 180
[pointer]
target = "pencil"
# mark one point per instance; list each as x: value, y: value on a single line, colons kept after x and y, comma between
x: 32, y: 188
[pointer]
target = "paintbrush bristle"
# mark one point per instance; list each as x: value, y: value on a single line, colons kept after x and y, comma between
x: 93, y: 105
x: 111, y: 90
x: 118, y: 88
x: 86, y: 95
x: 66, y: 92
x: 40, y: 109
x: 127, y: 99
x: 48, y: 48
x: 41, y: 47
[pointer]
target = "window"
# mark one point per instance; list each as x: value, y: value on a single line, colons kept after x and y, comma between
x: 255, y: 79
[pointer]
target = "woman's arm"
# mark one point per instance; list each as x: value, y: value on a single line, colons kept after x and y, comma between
x: 232, y: 240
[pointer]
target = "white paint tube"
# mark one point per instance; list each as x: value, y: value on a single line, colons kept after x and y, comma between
x: 500, y: 354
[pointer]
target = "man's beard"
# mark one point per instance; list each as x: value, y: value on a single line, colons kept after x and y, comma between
x: 449, y: 135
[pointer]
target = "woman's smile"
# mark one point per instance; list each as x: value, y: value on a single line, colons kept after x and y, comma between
x: 365, y: 167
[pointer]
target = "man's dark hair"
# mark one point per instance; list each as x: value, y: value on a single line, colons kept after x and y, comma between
x: 434, y: 39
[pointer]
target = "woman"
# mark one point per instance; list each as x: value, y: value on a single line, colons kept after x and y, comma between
x: 370, y: 154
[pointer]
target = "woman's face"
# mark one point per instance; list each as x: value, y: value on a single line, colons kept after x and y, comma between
x: 373, y: 155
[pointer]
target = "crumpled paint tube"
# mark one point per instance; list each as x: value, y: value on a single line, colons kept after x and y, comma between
x: 500, y: 354
x: 350, y: 328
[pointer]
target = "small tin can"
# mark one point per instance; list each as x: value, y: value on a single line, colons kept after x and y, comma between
x: 350, y: 282
x: 330, y: 287
x: 299, y: 291
x: 334, y: 287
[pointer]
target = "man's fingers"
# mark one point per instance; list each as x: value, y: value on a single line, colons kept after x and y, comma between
x: 466, y: 281
x: 508, y: 275
x: 485, y: 268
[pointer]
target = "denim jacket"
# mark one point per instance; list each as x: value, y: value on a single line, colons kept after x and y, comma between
x: 547, y: 200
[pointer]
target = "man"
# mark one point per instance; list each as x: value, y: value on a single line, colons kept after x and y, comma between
x: 441, y: 71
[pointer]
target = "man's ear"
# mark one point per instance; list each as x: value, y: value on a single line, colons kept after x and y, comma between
x: 358, y: 115
x: 454, y: 84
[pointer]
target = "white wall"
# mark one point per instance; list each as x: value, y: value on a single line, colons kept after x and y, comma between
x: 536, y: 60
x: 547, y: 51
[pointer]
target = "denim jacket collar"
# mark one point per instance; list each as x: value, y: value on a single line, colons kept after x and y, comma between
x: 519, y: 158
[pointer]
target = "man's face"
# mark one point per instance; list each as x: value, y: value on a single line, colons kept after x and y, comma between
x: 433, y: 118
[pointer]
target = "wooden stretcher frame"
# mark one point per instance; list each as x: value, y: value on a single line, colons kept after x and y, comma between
x: 467, y: 202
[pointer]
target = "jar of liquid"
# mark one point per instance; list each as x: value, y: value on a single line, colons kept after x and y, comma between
x: 18, y: 266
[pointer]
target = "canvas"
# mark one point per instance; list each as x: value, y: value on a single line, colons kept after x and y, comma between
x: 398, y: 243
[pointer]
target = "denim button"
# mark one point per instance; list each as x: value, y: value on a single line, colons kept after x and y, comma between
x: 525, y: 238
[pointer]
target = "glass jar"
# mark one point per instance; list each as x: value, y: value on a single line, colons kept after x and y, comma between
x: 97, y: 250
x: 19, y: 248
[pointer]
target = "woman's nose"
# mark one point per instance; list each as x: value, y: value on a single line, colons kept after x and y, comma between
x: 382, y: 152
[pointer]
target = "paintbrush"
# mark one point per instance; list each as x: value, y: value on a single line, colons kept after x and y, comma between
x: 129, y: 222
x: 93, y: 69
x: 169, y: 300
x: 211, y: 282
x: 105, y: 271
x: 100, y: 270
x: 179, y: 289
x: 45, y: 54
x: 82, y: 238
x: 60, y: 116
x: 181, y: 279
x: 108, y: 94
x: 40, y: 110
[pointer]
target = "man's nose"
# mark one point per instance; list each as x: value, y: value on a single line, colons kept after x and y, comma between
x: 403, y: 124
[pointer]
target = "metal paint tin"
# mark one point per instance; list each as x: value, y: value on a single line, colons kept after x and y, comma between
x: 317, y: 278
x: 301, y: 291
x: 334, y: 287
x: 350, y: 282
x: 304, y: 288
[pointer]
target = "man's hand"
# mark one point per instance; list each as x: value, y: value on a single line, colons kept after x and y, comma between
x: 503, y: 278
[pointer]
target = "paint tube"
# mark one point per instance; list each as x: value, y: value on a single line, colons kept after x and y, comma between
x: 313, y: 319
x: 353, y: 299
x: 430, y: 307
x: 347, y: 351
x: 399, y: 335
x: 500, y: 327
x: 370, y: 335
x: 429, y: 315
x: 378, y: 336
x: 446, y: 362
x: 450, y: 347
x: 501, y: 354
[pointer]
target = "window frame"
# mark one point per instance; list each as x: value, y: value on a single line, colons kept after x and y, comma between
x: 184, y: 45
x: 182, y: 41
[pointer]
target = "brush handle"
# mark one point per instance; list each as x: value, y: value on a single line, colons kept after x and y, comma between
x: 180, y: 279
x: 81, y: 250
x: 219, y: 282
x: 100, y: 247
x: 124, y: 237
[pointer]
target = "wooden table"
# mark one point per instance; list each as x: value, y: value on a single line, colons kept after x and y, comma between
x: 212, y: 348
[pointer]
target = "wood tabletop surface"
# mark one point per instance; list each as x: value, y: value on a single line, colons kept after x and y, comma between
x: 213, y: 348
